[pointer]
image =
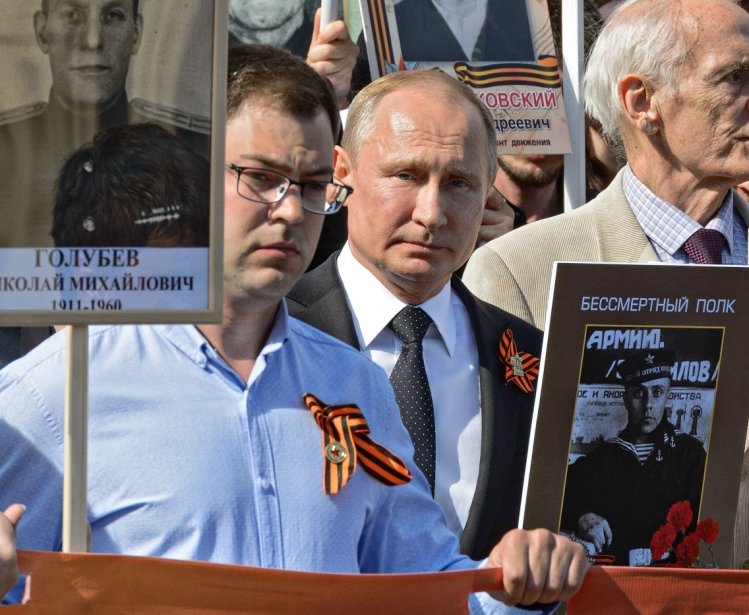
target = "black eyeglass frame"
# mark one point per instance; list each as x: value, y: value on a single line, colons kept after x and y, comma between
x: 346, y: 190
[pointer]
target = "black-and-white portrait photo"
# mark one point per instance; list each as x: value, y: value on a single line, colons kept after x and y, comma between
x: 640, y: 434
x: 469, y: 30
x: 72, y: 68
x: 281, y: 23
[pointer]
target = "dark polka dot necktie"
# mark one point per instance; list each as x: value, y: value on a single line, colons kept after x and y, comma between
x: 409, y: 380
x: 705, y: 247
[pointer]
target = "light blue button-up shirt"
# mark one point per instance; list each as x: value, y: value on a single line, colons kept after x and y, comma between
x: 188, y: 461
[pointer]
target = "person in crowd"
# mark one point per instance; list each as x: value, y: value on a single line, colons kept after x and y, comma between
x: 133, y: 185
x: 291, y: 24
x: 532, y: 184
x: 666, y: 81
x: 683, y: 158
x: 220, y: 442
x: 619, y: 494
x: 418, y: 151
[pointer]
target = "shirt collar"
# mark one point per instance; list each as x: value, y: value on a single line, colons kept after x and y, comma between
x: 460, y: 8
x: 279, y: 332
x: 665, y: 224
x: 374, y: 306
x: 188, y: 339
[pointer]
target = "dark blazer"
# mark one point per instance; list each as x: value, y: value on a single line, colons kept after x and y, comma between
x: 320, y: 300
x: 425, y: 35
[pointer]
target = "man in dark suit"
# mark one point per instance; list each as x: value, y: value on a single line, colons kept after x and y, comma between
x: 418, y: 152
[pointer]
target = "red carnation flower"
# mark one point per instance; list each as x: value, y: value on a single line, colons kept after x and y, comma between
x: 707, y: 529
x: 680, y: 515
x: 662, y: 541
x: 688, y: 550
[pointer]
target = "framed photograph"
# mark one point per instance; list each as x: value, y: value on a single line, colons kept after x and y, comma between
x: 505, y: 54
x: 641, y: 405
x: 111, y: 160
x: 287, y: 24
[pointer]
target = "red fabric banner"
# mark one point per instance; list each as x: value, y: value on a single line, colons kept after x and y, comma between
x: 107, y: 584
x: 77, y: 583
x: 617, y: 590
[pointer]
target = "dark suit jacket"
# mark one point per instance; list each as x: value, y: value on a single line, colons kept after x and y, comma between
x: 504, y: 37
x: 320, y: 300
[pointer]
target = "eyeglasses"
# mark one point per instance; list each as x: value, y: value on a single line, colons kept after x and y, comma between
x: 268, y: 187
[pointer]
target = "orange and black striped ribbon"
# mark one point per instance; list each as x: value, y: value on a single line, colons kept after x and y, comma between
x: 346, y: 442
x: 520, y: 367
x: 382, y: 36
x: 544, y: 73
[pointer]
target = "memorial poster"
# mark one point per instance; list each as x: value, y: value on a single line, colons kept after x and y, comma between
x: 641, y: 404
x: 506, y: 55
x: 111, y: 150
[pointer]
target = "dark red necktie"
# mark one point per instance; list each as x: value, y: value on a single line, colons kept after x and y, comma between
x: 705, y: 247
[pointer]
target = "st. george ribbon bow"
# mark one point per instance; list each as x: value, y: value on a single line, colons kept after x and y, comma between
x: 346, y: 442
x: 521, y: 368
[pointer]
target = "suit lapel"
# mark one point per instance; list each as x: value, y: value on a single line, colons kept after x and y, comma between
x: 499, y: 425
x: 620, y: 236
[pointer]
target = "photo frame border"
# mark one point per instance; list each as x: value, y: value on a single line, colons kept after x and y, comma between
x: 644, y: 288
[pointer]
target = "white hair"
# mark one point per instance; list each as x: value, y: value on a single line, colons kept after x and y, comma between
x: 654, y: 41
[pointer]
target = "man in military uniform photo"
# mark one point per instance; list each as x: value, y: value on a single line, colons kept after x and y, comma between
x: 618, y: 495
x: 89, y: 44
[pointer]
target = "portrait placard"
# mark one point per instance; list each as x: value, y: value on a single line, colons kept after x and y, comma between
x: 641, y: 404
x: 288, y: 24
x: 505, y: 54
x: 111, y: 160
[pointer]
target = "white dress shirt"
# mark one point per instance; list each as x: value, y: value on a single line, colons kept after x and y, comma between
x: 451, y: 361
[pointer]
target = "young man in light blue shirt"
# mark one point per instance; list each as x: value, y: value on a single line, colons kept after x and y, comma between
x: 202, y: 443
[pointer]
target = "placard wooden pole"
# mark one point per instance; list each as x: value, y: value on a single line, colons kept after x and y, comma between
x: 74, y: 527
x: 572, y: 83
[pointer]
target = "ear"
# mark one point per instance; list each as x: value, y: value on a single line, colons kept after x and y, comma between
x: 40, y: 26
x: 342, y: 166
x: 639, y: 104
x: 137, y: 30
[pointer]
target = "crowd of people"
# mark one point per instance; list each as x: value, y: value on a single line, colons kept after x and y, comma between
x: 225, y: 443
